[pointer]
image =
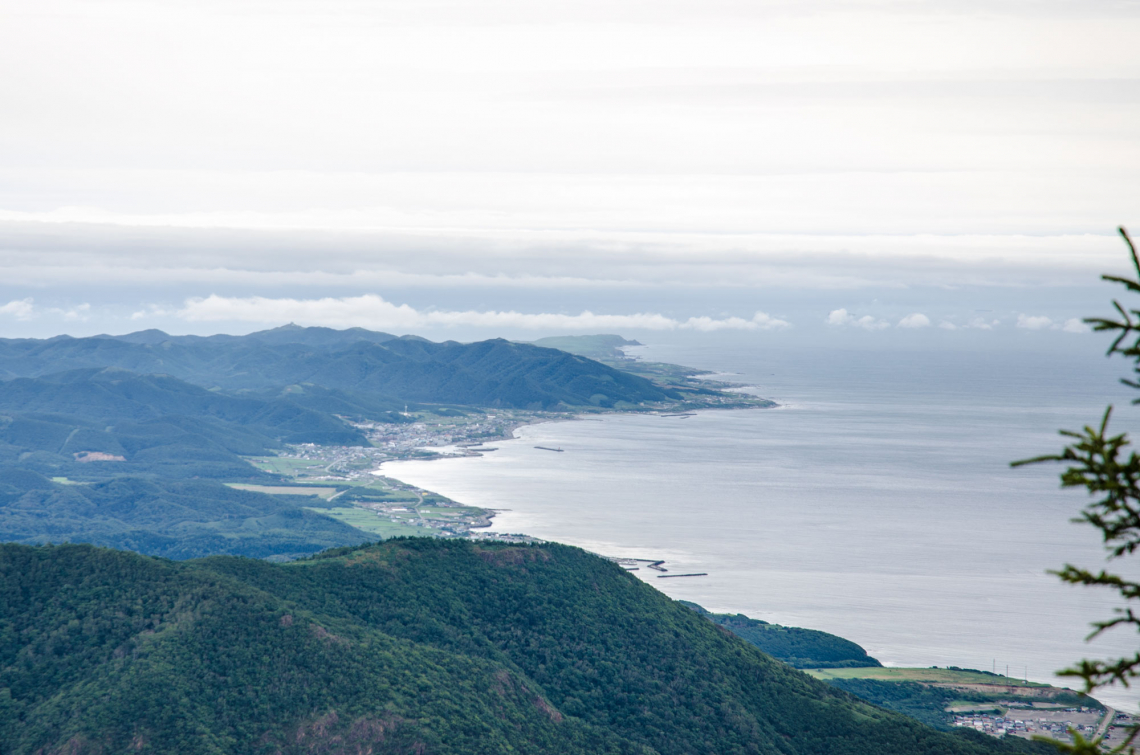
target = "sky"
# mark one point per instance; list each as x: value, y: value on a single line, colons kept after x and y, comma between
x: 880, y: 173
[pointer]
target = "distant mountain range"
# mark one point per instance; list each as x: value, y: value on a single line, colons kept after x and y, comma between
x: 493, y: 373
x: 601, y: 346
x: 149, y: 421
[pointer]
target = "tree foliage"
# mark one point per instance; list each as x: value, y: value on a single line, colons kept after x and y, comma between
x: 797, y: 647
x: 412, y: 646
x: 1106, y: 466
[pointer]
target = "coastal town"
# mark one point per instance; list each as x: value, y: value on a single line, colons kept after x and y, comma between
x: 1053, y: 722
x: 347, y: 483
x: 355, y: 490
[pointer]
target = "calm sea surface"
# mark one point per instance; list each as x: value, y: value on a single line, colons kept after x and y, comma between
x: 877, y: 503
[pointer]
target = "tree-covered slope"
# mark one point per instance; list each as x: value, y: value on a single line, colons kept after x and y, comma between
x: 802, y: 648
x: 156, y: 426
x: 487, y: 373
x: 172, y: 518
x: 113, y: 395
x: 417, y: 646
x: 600, y: 346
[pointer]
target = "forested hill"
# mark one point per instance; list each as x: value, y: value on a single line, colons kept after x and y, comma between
x: 413, y: 646
x: 412, y: 369
x: 151, y: 425
x: 802, y: 648
x: 159, y: 426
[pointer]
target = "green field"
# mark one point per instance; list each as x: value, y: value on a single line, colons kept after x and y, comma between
x: 934, y: 675
x: 284, y: 466
x: 365, y: 520
x: 431, y: 512
x: 285, y: 489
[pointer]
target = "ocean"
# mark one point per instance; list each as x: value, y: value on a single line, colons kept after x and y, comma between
x: 876, y: 503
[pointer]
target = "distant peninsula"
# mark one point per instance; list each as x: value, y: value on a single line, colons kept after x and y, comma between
x: 265, y: 445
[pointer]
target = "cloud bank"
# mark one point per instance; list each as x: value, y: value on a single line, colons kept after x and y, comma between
x: 372, y: 311
x: 842, y: 318
x: 915, y: 320
x: 25, y: 310
x: 1041, y: 322
x: 21, y: 309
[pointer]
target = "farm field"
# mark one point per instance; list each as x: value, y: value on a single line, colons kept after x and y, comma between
x: 927, y: 675
x: 285, y: 489
x: 370, y: 522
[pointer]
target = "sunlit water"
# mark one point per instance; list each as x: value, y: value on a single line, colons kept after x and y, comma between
x: 877, y: 503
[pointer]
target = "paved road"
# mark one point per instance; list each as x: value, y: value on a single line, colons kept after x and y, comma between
x: 1109, y: 717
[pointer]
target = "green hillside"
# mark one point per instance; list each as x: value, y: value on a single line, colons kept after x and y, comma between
x: 159, y: 415
x: 117, y: 396
x: 802, y: 648
x: 158, y: 426
x: 171, y: 518
x: 414, y: 646
x: 595, y: 347
x: 408, y: 369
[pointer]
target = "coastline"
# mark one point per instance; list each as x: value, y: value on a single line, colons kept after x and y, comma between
x: 369, y: 499
x: 469, y: 450
x: 759, y: 542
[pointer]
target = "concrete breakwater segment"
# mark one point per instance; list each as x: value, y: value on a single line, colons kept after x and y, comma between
x: 629, y: 564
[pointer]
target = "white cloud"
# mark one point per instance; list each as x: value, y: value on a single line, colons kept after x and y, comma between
x: 1073, y: 325
x: 947, y: 325
x: 78, y: 313
x: 842, y: 317
x: 150, y: 310
x: 1034, y: 322
x: 759, y: 321
x: 21, y: 309
x: 980, y: 323
x: 915, y: 320
x: 25, y: 309
x: 372, y: 311
x: 839, y: 317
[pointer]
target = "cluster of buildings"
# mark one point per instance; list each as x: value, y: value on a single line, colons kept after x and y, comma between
x: 404, y: 439
x: 1028, y: 722
x: 340, y: 462
x: 398, y: 441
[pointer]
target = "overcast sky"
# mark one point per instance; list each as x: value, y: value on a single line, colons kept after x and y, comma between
x: 466, y: 169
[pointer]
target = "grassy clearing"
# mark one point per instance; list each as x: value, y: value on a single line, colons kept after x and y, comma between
x: 446, y: 513
x: 285, y: 489
x: 938, y: 675
x: 283, y: 465
x: 974, y: 707
x: 381, y: 495
x: 365, y: 520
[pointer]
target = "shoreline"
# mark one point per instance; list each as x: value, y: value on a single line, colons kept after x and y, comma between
x: 471, y: 450
x: 701, y: 389
x: 371, y: 500
x: 506, y: 482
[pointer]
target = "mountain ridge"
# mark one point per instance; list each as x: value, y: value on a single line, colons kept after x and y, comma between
x: 414, y: 645
x: 485, y: 373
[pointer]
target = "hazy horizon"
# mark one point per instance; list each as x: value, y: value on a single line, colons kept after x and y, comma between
x: 845, y: 172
